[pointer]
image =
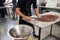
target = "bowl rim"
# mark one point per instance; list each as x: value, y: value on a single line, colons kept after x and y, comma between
x: 17, y: 38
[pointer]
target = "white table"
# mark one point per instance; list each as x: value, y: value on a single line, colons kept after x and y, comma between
x: 44, y: 24
x: 41, y: 8
x: 50, y: 7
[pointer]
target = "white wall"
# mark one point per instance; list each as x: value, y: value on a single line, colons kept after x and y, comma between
x: 58, y: 1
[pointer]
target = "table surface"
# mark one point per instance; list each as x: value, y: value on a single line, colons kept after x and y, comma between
x: 45, y: 24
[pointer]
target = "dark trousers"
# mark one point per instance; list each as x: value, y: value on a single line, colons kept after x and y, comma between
x: 21, y: 21
x: 2, y: 11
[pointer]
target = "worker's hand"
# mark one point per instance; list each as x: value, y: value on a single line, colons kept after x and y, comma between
x: 28, y: 18
x: 38, y: 16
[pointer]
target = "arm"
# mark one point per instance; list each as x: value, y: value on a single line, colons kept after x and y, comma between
x: 36, y: 12
x: 19, y: 12
x: 18, y: 9
x: 7, y: 3
x: 22, y: 15
x: 35, y: 9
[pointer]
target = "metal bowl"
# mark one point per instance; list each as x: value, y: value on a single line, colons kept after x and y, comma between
x: 20, y: 32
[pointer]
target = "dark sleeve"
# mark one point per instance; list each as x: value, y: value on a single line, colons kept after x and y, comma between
x: 19, y: 4
x: 34, y: 4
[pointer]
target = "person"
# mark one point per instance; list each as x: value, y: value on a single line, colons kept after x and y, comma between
x: 2, y: 10
x: 14, y: 7
x: 42, y: 3
x: 23, y: 9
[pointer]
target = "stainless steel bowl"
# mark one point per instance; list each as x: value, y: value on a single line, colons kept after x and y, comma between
x: 20, y: 32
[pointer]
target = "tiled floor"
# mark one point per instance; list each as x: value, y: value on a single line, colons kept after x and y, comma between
x: 4, y: 26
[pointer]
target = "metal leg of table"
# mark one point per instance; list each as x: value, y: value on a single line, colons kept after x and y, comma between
x: 51, y: 29
x: 39, y: 38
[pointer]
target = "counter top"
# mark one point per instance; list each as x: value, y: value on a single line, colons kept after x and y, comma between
x: 49, y: 7
x: 6, y: 6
